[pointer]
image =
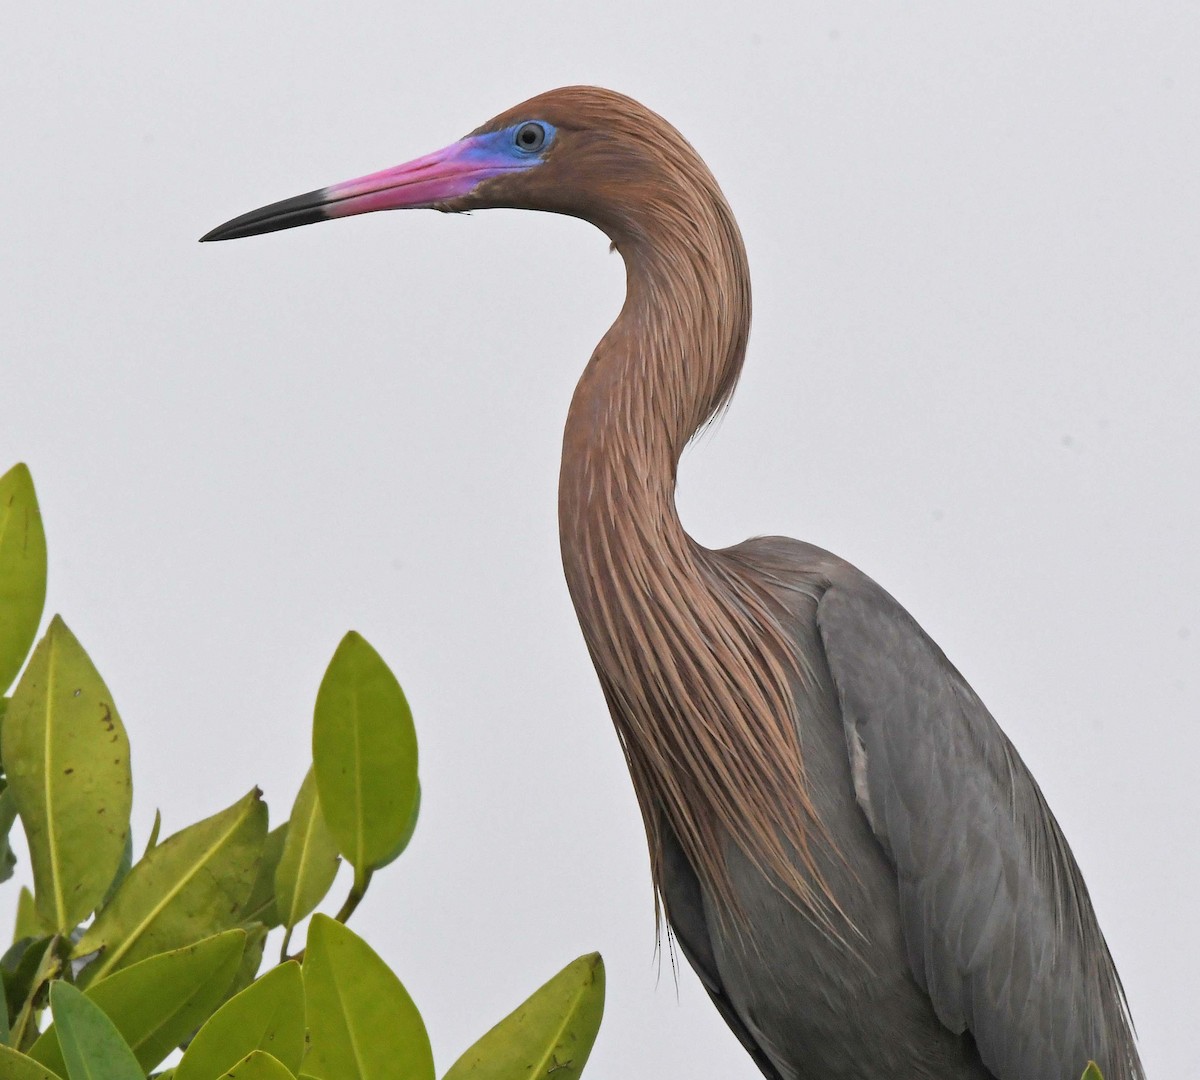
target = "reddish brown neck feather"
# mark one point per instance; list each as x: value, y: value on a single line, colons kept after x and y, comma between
x: 690, y: 652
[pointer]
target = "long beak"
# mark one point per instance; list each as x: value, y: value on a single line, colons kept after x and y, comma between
x: 427, y: 182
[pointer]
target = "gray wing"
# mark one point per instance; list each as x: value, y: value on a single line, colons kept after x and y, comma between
x: 997, y: 921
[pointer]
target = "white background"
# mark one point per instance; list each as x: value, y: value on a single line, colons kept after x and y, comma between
x: 974, y: 372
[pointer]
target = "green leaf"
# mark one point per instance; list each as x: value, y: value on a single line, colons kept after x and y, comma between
x: 5, y: 1030
x: 92, y: 1046
x: 14, y: 1066
x: 152, y: 839
x: 247, y: 972
x: 8, y: 817
x: 28, y: 924
x: 22, y: 570
x: 193, y: 884
x: 261, y: 906
x: 549, y: 1036
x: 258, y: 1065
x: 361, y: 1021
x: 364, y: 756
x: 409, y: 829
x: 310, y: 858
x: 123, y: 868
x: 159, y: 1002
x: 25, y: 969
x: 67, y: 758
x: 266, y: 1016
x: 1092, y: 1072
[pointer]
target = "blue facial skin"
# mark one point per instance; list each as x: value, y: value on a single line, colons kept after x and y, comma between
x: 504, y: 150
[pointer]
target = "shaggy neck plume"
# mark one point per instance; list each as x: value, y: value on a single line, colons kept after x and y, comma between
x: 696, y: 676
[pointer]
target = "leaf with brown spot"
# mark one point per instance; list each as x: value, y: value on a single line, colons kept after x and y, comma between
x: 361, y: 1021
x: 15, y: 1066
x: 266, y: 1016
x: 159, y: 1002
x: 258, y: 1065
x: 67, y: 758
x: 549, y: 1036
x: 193, y: 884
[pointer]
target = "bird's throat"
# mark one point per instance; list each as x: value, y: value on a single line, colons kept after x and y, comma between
x: 667, y: 364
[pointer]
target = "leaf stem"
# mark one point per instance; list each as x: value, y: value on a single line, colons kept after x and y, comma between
x: 357, y: 891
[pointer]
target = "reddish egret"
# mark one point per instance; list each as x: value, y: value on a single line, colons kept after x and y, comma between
x: 850, y: 852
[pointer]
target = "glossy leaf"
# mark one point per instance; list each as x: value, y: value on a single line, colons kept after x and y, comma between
x: 193, y: 884
x: 25, y: 989
x: 413, y: 817
x: 247, y: 972
x: 155, y: 829
x: 67, y: 758
x: 310, y: 858
x: 261, y: 906
x: 549, y: 1036
x: 22, y: 571
x: 158, y: 1003
x: 28, y: 924
x: 27, y: 967
x: 14, y: 1066
x: 123, y: 868
x: 8, y: 817
x: 364, y: 755
x: 267, y: 1016
x: 361, y: 1021
x: 92, y: 1046
x: 259, y: 1066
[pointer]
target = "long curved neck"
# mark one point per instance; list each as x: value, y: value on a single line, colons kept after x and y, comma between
x: 692, y: 658
x: 668, y: 363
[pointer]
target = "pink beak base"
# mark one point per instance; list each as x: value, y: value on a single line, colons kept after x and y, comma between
x: 426, y: 182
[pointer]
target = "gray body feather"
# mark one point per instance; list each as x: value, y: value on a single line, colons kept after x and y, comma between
x: 975, y: 951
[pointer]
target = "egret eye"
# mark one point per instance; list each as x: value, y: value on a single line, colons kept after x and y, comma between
x: 530, y: 137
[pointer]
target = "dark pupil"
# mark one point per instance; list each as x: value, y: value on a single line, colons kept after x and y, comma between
x: 530, y: 136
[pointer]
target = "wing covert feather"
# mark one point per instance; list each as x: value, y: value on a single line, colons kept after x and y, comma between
x: 997, y: 922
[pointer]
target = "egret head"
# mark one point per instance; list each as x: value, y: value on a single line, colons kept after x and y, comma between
x: 580, y: 150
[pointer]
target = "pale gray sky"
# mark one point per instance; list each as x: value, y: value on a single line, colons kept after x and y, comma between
x: 975, y: 372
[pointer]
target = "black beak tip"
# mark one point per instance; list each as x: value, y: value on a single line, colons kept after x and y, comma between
x: 303, y: 209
